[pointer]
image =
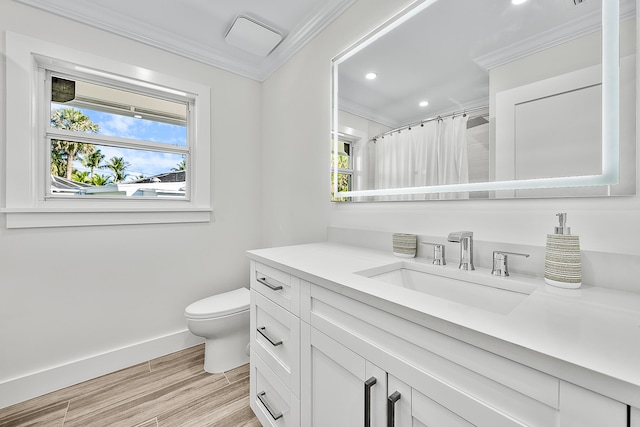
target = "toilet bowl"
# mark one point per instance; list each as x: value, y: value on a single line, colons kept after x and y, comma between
x: 223, y: 321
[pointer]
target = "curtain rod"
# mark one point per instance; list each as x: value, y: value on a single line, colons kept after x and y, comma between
x: 430, y: 119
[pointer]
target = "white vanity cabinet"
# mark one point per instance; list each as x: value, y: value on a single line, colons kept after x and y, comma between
x: 460, y: 384
x: 320, y: 358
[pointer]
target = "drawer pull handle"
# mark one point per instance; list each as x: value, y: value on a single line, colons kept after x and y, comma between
x: 263, y: 331
x: 262, y: 398
x: 263, y: 280
x: 367, y: 400
x: 391, y: 405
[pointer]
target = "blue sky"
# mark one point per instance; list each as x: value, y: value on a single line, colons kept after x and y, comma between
x: 142, y: 162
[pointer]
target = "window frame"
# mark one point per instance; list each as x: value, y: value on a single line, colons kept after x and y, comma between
x: 336, y: 172
x: 28, y: 147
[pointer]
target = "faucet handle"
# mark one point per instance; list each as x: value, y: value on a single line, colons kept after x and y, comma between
x: 500, y: 264
x: 438, y: 253
x: 457, y: 236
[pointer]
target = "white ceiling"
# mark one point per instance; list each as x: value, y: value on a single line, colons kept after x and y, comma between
x: 196, y: 28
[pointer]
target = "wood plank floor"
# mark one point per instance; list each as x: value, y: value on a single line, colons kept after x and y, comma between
x: 170, y: 391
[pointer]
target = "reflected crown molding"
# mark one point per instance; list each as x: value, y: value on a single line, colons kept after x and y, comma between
x: 360, y: 111
x: 579, y: 27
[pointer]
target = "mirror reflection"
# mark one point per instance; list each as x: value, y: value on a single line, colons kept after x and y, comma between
x: 481, y: 91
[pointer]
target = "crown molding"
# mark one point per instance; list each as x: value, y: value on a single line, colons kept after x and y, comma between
x: 311, y: 26
x: 244, y: 64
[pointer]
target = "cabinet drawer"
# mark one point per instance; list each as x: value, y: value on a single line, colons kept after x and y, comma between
x: 278, y: 286
x: 270, y: 399
x: 275, y: 337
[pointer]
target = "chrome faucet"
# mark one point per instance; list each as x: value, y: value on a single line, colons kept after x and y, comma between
x: 465, y: 238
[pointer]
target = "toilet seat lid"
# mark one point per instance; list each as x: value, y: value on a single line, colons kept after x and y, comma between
x: 219, y: 305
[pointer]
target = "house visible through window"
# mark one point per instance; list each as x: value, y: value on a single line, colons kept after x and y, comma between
x: 107, y: 139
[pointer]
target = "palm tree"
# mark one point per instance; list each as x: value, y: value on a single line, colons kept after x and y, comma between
x: 75, y: 120
x: 181, y: 166
x: 93, y: 161
x: 118, y: 166
x: 58, y: 163
x: 99, y: 180
x: 81, y: 176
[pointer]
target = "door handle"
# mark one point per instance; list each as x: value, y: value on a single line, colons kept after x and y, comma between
x: 367, y: 400
x: 263, y: 280
x: 262, y: 398
x: 263, y: 331
x: 391, y: 406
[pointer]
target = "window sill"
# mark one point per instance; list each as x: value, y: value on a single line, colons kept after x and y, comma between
x: 39, y: 218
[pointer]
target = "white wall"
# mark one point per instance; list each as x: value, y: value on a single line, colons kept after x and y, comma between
x: 67, y: 294
x: 296, y: 130
x: 604, y: 224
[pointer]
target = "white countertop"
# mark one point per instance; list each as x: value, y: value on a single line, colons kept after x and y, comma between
x: 589, y: 336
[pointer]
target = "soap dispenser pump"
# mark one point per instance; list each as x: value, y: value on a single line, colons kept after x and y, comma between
x: 562, y: 261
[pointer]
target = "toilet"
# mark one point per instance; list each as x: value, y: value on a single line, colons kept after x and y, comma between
x: 223, y: 321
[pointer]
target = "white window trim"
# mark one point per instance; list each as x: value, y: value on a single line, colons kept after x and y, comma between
x: 25, y: 159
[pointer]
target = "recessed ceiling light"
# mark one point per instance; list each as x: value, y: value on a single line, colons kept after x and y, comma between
x: 518, y: 1
x: 137, y: 116
x: 370, y: 76
x: 423, y: 103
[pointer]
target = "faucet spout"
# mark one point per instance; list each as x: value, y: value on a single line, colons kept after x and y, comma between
x: 465, y: 238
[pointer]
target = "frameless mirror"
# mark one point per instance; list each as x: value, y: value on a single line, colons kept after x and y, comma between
x: 459, y: 99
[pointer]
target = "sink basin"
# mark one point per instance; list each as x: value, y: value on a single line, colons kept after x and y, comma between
x: 477, y: 289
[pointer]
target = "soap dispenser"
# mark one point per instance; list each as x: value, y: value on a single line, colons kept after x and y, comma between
x: 562, y: 262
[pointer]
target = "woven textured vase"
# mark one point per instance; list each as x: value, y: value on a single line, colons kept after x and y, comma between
x: 404, y: 245
x: 562, y: 262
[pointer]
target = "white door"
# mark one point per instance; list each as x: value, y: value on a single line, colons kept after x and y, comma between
x: 580, y: 407
x: 341, y: 384
x: 635, y: 417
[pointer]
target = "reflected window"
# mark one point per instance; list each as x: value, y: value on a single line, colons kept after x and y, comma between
x: 344, y: 162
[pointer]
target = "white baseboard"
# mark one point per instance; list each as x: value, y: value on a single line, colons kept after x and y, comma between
x: 55, y: 378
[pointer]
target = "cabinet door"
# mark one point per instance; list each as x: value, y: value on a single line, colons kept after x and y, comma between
x: 343, y: 385
x: 410, y: 408
x: 635, y: 417
x: 580, y: 407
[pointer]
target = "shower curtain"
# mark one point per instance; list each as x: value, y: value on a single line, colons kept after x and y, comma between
x: 433, y: 154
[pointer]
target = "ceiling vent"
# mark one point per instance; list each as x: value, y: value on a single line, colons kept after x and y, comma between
x: 252, y: 36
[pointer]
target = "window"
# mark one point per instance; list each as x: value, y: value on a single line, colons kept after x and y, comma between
x: 344, y: 172
x: 113, y: 143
